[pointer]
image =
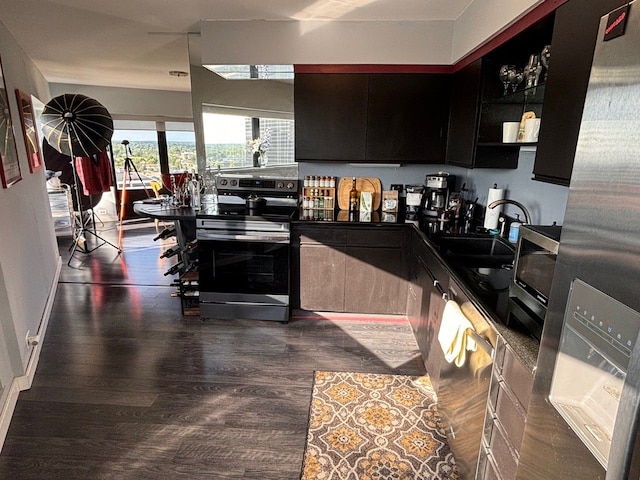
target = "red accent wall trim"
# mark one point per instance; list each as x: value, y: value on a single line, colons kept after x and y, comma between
x: 372, y: 68
x: 538, y: 13
x: 531, y: 18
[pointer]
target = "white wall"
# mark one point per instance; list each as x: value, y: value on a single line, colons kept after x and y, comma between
x: 441, y: 42
x: 311, y: 42
x: 29, y: 258
x: 126, y: 103
x: 482, y: 20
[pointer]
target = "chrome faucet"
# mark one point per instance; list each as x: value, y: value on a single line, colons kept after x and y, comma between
x: 527, y: 217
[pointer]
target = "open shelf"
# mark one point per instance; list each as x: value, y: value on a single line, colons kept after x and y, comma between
x: 525, y: 96
x: 503, y: 144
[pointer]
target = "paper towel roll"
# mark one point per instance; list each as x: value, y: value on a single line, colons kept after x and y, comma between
x: 492, y: 214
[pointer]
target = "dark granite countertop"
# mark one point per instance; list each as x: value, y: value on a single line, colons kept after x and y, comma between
x: 493, y: 306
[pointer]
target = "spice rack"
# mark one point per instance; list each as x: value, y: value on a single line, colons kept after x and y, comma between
x: 318, y: 198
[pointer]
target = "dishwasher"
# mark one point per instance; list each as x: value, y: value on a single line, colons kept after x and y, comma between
x: 463, y: 391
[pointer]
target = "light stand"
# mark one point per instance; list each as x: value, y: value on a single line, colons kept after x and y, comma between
x: 81, y: 230
x: 129, y: 167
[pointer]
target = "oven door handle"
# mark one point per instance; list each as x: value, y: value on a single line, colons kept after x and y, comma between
x: 257, y: 238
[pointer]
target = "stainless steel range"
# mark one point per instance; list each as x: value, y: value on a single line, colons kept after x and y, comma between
x: 244, y: 248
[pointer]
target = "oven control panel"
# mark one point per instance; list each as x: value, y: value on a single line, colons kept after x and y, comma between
x: 259, y: 186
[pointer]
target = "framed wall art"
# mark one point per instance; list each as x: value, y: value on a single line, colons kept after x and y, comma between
x: 27, y: 118
x: 10, y: 171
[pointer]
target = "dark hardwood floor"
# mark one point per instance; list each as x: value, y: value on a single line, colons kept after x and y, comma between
x: 128, y: 388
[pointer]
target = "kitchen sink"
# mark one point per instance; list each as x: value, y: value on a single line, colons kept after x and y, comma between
x: 484, y: 263
x: 477, y: 251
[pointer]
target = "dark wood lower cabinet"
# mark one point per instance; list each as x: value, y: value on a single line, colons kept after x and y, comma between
x: 322, y: 278
x: 375, y: 280
x: 428, y: 280
x: 349, y: 268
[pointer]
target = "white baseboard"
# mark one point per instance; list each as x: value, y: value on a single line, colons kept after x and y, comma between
x: 24, y: 382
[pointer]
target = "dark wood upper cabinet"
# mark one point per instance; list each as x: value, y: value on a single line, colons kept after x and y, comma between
x: 330, y: 116
x: 407, y: 118
x: 378, y: 118
x: 463, y: 118
x: 479, y: 105
x: 574, y: 39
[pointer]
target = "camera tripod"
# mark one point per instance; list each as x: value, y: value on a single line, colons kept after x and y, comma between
x: 83, y: 226
x: 129, y: 167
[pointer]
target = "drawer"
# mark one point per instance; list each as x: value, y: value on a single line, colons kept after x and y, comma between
x: 504, y: 458
x: 511, y: 416
x: 494, y: 388
x: 487, y: 429
x: 487, y: 469
x: 376, y: 237
x: 490, y: 472
x: 323, y: 236
x: 501, y: 348
x: 518, y: 378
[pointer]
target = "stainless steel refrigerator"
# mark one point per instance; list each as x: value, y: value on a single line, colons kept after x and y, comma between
x: 583, y: 417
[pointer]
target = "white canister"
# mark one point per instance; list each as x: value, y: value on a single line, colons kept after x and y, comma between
x: 510, y: 132
x: 531, y: 129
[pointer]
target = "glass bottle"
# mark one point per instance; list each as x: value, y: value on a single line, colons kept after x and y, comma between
x: 194, y: 192
x: 353, y: 196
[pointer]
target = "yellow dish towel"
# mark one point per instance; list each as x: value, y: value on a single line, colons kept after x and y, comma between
x: 453, y: 335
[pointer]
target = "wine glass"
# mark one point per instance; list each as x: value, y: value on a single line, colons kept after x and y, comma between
x: 506, y: 72
x: 515, y: 78
x: 532, y: 73
x: 545, y: 56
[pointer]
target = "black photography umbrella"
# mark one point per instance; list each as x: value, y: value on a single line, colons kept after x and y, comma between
x: 76, y: 125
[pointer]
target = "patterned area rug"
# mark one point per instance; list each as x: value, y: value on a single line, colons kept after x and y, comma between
x: 375, y: 427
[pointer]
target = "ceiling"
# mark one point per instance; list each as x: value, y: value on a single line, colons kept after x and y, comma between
x: 135, y: 43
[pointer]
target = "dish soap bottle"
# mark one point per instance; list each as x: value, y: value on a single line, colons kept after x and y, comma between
x: 514, y: 229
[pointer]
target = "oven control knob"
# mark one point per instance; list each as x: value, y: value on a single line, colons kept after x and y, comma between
x: 290, y: 186
x: 280, y: 185
x: 234, y: 182
x: 223, y: 181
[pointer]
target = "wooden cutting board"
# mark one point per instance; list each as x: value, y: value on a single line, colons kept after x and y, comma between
x: 363, y: 184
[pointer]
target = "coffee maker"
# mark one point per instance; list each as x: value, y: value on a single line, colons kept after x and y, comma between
x: 438, y: 187
x: 413, y: 202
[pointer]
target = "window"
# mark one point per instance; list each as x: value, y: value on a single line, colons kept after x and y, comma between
x: 228, y: 133
x: 281, y: 139
x: 181, y: 147
x: 225, y: 140
x: 145, y: 151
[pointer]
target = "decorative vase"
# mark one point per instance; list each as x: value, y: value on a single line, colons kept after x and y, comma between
x: 263, y: 159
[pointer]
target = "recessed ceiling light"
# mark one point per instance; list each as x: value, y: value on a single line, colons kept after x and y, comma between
x: 178, y: 73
